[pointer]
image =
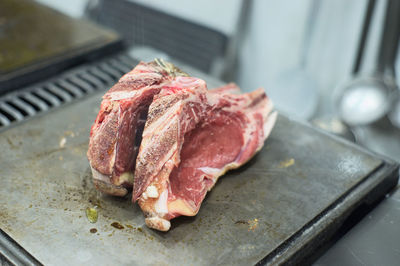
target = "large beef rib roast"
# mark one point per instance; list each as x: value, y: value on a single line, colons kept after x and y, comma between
x: 188, y: 136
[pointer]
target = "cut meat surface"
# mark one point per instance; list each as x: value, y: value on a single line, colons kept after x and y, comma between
x: 193, y: 136
x: 188, y: 137
x: 116, y: 133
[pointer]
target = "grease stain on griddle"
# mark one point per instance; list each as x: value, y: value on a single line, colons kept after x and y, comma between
x: 286, y: 163
x: 241, y: 222
x: 12, y: 144
x: 62, y: 142
x: 252, y: 224
x: 69, y: 133
x: 92, y: 214
x: 95, y: 201
x: 117, y: 225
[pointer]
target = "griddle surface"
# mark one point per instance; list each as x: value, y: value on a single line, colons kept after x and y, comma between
x: 300, y: 182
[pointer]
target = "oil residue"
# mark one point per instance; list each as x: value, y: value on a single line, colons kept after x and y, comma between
x: 253, y: 224
x: 117, y: 225
x: 286, y: 163
x: 92, y: 214
x: 241, y: 222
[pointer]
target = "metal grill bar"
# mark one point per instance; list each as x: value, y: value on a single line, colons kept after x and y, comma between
x: 92, y: 80
x: 61, y: 93
x: 47, y: 97
x: 36, y: 101
x: 71, y: 88
x: 11, y: 111
x: 4, y: 121
x: 81, y: 83
x: 20, y: 104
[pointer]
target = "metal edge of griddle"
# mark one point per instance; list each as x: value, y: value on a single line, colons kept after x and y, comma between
x: 368, y: 191
x: 302, y: 247
x: 13, y: 253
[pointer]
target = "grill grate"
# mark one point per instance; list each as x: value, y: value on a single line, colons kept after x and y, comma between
x: 65, y: 88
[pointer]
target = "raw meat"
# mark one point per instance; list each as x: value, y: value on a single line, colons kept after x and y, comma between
x: 116, y: 133
x: 193, y: 136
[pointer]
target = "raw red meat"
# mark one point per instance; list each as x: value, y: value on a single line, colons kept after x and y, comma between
x: 193, y: 136
x: 116, y: 133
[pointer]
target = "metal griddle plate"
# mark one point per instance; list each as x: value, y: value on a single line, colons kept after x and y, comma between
x: 268, y: 211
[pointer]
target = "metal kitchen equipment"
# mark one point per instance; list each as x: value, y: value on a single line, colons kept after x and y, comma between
x: 281, y: 207
x: 37, y: 42
x: 369, y: 98
x: 209, y: 50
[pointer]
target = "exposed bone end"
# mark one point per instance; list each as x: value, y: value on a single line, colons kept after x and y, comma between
x: 158, y: 223
x: 151, y: 192
x: 103, y: 183
x: 100, y: 176
x: 269, y: 123
x: 109, y: 188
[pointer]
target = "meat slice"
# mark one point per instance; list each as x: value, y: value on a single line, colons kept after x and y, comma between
x: 193, y: 136
x: 116, y: 133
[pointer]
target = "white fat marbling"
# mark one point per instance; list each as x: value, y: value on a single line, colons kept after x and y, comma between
x: 210, y: 170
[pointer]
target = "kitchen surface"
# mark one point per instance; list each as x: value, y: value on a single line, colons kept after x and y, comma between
x: 332, y: 71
